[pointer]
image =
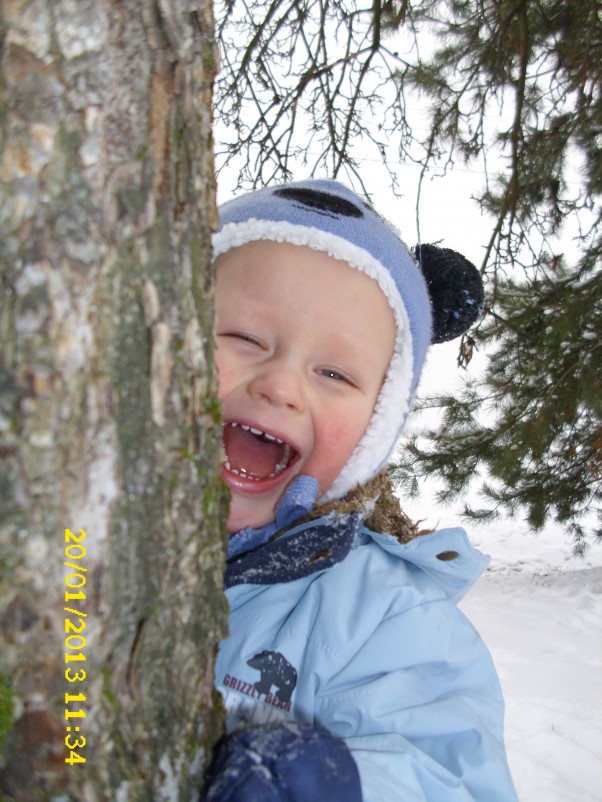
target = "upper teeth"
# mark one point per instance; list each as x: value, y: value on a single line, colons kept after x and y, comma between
x: 258, y: 432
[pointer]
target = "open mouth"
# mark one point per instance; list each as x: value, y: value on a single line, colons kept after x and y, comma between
x: 254, y: 454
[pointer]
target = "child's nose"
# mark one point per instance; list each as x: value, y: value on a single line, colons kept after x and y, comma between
x: 279, y: 386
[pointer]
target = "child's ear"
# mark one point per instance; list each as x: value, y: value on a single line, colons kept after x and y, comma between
x: 455, y: 288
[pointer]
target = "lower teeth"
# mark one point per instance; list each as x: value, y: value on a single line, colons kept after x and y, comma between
x: 281, y: 466
x: 284, y: 462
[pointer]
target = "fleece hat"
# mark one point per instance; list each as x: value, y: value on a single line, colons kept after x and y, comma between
x: 435, y: 294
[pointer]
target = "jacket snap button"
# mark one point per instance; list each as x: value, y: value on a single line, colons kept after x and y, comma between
x: 445, y: 556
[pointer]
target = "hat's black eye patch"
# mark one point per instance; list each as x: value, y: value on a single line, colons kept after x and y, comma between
x: 321, y: 202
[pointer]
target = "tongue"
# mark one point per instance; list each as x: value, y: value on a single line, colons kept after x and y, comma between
x: 251, y: 455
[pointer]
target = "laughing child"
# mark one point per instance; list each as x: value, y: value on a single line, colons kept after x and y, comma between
x: 349, y: 673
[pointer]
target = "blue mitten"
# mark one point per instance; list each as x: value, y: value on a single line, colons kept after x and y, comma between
x: 285, y: 762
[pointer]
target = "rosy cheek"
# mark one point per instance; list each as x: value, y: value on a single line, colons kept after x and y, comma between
x: 339, y: 442
x: 344, y: 434
x: 337, y: 446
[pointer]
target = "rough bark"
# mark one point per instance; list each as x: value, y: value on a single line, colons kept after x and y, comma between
x: 109, y: 422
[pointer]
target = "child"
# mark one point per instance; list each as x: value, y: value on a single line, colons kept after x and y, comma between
x: 349, y: 674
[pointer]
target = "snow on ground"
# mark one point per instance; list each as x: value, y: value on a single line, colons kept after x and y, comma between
x: 540, y: 612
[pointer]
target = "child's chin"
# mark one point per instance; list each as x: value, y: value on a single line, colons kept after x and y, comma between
x: 243, y: 515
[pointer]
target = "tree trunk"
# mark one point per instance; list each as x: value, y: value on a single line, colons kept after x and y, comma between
x: 111, y: 516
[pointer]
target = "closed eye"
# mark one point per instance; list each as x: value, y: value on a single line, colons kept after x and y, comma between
x: 242, y: 336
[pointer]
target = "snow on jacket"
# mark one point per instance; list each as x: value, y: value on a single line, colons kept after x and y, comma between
x: 334, y: 624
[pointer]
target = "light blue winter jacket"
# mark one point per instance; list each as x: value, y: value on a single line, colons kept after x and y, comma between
x: 336, y: 624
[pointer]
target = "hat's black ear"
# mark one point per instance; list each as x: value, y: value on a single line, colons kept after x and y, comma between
x: 455, y: 287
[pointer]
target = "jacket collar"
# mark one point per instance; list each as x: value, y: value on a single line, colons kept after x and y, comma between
x: 300, y: 552
x: 447, y: 556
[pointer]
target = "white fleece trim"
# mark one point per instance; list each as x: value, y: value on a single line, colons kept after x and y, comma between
x: 393, y: 403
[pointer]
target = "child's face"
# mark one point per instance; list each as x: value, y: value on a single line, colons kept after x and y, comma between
x: 303, y: 344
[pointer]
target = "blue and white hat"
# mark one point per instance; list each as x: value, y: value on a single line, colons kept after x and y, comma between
x: 434, y: 299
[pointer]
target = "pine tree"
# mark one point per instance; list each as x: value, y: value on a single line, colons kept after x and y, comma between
x: 541, y: 449
x: 532, y: 422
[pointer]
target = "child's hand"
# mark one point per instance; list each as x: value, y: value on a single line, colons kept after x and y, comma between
x: 285, y: 762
